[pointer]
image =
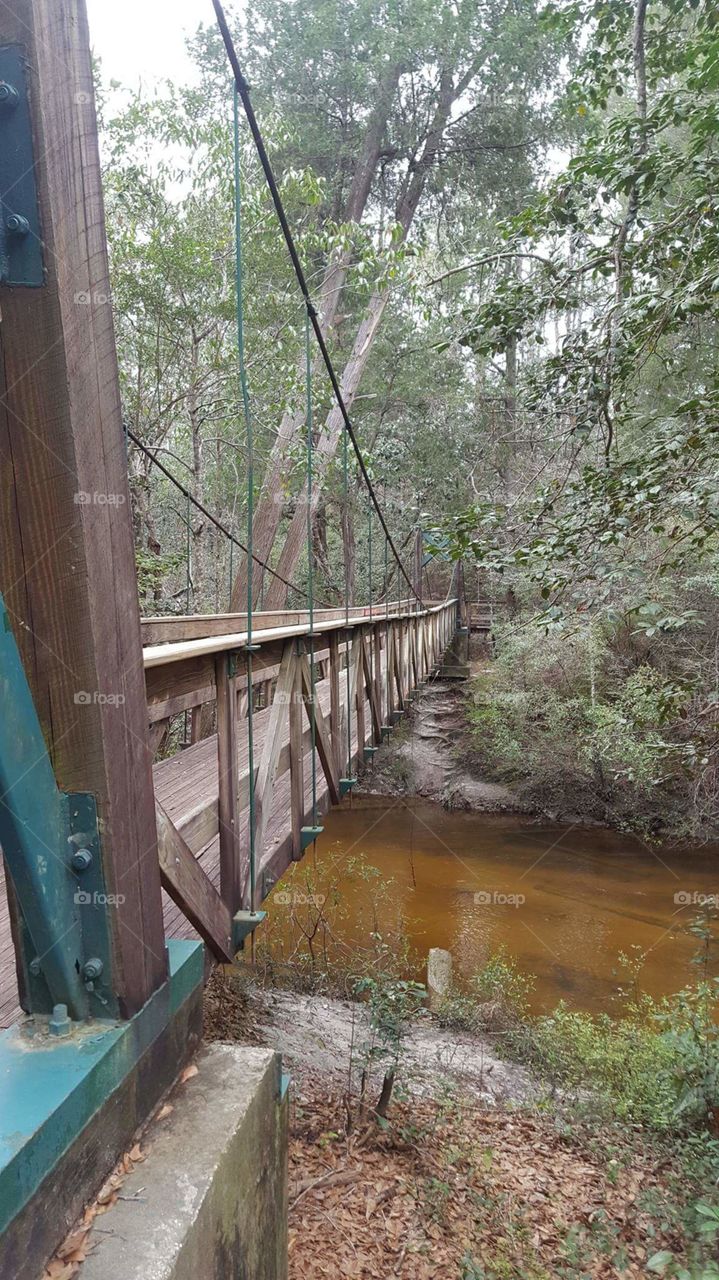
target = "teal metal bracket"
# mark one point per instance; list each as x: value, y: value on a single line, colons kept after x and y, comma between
x: 346, y: 784
x: 243, y: 924
x: 386, y: 730
x: 308, y: 835
x: 20, y: 243
x: 51, y: 846
x: 369, y: 753
x: 51, y: 1086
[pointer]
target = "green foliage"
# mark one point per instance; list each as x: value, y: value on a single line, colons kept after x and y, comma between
x: 605, y: 721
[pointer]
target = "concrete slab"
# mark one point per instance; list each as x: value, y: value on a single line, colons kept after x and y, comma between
x: 210, y: 1200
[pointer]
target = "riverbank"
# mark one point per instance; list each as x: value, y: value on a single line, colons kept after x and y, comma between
x: 430, y: 755
x: 475, y: 1172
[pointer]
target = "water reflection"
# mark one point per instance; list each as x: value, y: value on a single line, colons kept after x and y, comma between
x: 564, y: 900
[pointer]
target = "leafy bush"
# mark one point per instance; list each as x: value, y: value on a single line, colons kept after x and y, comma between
x: 582, y: 721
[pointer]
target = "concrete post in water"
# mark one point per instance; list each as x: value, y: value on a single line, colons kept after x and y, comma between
x: 439, y: 976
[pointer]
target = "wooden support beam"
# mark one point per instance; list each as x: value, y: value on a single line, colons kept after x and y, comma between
x: 158, y: 734
x: 360, y: 695
x: 397, y: 664
x: 377, y: 648
x: 371, y: 689
x: 335, y: 703
x: 322, y: 736
x: 267, y: 771
x: 227, y: 770
x: 66, y: 549
x: 193, y: 891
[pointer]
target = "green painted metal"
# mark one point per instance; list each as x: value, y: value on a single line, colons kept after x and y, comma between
x: 243, y: 924
x: 51, y: 1087
x: 45, y: 834
x: 308, y: 835
x: 346, y: 784
x: 20, y: 239
x: 369, y: 752
x: 285, y: 1082
x: 386, y: 730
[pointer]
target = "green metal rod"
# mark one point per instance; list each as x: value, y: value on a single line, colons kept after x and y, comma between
x: 369, y: 543
x: 347, y: 607
x: 245, y: 394
x: 310, y: 561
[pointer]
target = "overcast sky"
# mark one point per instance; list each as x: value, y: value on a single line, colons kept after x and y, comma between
x: 143, y: 40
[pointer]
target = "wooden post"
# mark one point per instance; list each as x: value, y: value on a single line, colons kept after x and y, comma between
x: 66, y: 550
x: 361, y: 695
x: 335, y: 703
x: 227, y: 780
x: 267, y: 771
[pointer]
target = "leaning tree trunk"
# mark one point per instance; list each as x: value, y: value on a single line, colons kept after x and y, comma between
x: 269, y: 510
x: 327, y: 444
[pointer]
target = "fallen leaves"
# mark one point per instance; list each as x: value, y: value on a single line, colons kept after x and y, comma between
x: 68, y: 1258
x: 441, y: 1187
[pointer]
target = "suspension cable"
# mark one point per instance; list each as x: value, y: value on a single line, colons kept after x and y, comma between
x: 212, y: 518
x: 244, y: 93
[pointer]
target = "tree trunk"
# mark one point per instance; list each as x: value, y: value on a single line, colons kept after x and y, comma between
x: 357, y: 363
x: 269, y: 510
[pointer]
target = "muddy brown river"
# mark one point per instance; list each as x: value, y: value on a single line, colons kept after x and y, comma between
x: 564, y: 901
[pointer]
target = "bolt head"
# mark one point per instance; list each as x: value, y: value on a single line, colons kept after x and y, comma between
x: 17, y: 225
x: 92, y: 969
x: 81, y: 860
x: 8, y: 94
x: 34, y: 967
x: 59, y: 1024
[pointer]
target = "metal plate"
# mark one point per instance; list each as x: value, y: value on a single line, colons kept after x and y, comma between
x: 21, y: 261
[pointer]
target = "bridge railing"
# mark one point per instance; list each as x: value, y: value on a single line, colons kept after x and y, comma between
x: 365, y: 670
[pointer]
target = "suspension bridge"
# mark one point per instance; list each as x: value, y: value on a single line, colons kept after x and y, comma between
x: 128, y: 867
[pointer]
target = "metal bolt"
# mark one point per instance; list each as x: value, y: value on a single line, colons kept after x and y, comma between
x: 81, y: 860
x: 92, y: 969
x: 8, y: 94
x: 17, y: 225
x: 34, y: 967
x: 59, y: 1024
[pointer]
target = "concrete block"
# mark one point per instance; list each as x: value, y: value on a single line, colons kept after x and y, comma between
x: 439, y: 976
x: 212, y: 1193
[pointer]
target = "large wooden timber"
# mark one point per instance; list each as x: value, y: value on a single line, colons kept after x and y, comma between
x: 66, y: 551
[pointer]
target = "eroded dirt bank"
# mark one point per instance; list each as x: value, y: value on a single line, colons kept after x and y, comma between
x: 429, y: 755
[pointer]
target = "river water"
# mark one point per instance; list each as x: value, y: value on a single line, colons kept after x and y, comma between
x: 563, y: 900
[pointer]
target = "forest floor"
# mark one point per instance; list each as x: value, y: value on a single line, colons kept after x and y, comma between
x: 474, y: 1175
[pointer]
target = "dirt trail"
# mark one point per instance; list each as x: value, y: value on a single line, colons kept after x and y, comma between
x: 425, y: 757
